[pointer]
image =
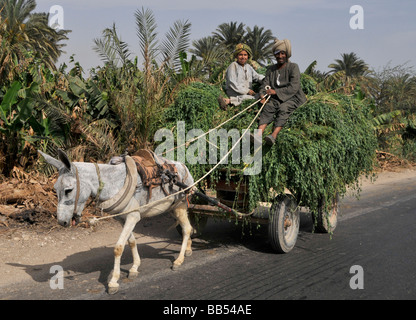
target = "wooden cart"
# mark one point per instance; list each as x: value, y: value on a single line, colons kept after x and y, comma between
x: 281, y: 216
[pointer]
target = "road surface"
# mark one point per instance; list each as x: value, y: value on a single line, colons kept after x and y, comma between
x: 371, y: 255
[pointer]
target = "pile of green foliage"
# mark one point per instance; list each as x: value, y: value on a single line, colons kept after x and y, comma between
x: 324, y: 147
x: 196, y: 105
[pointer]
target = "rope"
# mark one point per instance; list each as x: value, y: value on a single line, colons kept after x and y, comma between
x: 95, y: 220
x: 220, y: 125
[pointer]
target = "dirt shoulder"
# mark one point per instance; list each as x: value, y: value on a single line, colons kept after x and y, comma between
x: 26, y: 245
x: 28, y: 248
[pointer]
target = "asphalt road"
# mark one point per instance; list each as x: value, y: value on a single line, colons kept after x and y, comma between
x: 371, y: 255
x: 377, y: 234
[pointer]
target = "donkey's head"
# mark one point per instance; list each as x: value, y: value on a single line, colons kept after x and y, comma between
x: 67, y: 188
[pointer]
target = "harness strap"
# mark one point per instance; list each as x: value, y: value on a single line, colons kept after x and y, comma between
x: 78, y: 190
x: 100, y: 188
x: 100, y: 183
x: 122, y: 198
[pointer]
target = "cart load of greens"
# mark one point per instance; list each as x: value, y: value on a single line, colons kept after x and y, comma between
x: 326, y: 145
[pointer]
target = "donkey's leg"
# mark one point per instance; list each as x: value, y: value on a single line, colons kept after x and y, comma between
x: 136, y: 258
x: 181, y: 214
x: 129, y: 225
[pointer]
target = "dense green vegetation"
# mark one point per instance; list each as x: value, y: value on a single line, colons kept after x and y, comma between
x: 327, y: 143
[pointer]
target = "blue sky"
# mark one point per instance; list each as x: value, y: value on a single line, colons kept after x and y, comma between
x: 318, y: 29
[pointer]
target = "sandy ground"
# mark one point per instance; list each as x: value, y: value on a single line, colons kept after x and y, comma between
x: 30, y: 246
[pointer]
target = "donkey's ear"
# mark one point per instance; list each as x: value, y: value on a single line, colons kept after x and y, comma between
x: 64, y: 158
x: 51, y: 160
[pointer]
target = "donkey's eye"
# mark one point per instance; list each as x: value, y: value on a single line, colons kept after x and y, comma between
x: 68, y: 191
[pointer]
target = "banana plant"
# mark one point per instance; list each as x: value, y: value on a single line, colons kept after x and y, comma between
x: 18, y: 117
x: 97, y: 100
x: 15, y: 113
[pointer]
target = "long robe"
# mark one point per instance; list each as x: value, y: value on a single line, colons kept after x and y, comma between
x: 239, y: 80
x: 289, y: 95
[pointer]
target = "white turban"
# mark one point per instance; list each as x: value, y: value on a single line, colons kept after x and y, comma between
x: 283, y: 45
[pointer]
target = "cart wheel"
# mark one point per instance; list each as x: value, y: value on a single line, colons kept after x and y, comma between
x: 283, y: 224
x: 326, y: 222
x: 198, y: 223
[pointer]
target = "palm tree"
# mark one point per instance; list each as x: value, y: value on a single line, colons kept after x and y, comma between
x: 349, y: 72
x: 205, y: 47
x: 397, y: 93
x: 230, y: 34
x: 211, y: 53
x: 155, y: 88
x: 260, y: 41
x: 139, y: 96
x: 350, y: 64
x: 24, y: 34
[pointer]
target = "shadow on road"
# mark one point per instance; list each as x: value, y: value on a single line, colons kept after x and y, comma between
x: 100, y: 260
x: 252, y: 236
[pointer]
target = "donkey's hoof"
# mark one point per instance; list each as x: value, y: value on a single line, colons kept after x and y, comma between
x: 188, y: 253
x: 176, y: 267
x: 113, y: 288
x: 133, y: 274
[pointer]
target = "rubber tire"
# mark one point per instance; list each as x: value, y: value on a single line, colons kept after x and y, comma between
x: 326, y: 223
x: 283, y: 239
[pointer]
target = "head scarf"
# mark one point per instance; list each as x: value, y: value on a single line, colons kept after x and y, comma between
x: 242, y: 47
x: 282, y: 45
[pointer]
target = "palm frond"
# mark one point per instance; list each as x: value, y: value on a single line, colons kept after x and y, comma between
x: 100, y: 138
x: 230, y: 34
x: 146, y: 32
x: 386, y: 118
x: 105, y: 51
x: 177, y: 41
x: 309, y: 70
x: 111, y: 48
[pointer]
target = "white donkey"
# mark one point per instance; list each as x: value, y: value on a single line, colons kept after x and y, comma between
x: 78, y: 181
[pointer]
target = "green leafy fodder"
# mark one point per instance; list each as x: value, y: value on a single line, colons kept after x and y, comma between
x: 196, y: 106
x: 325, y: 146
